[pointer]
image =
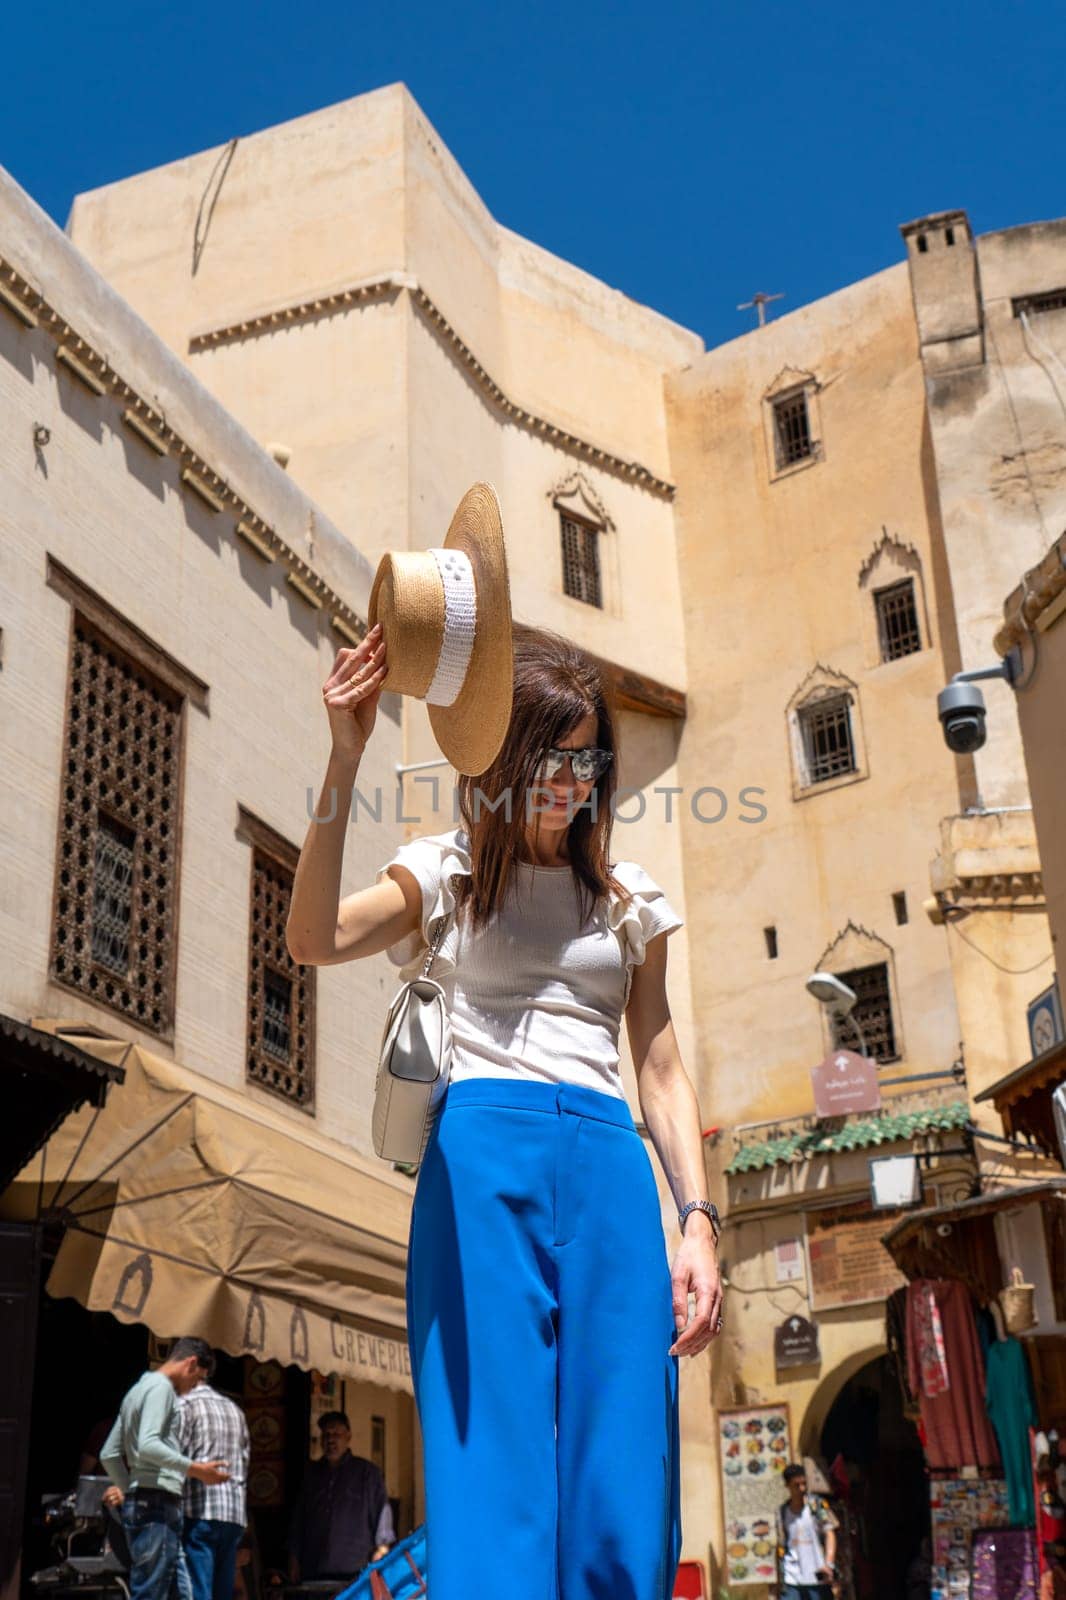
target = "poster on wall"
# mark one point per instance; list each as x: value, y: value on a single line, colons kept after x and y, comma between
x: 754, y: 1446
x: 849, y: 1264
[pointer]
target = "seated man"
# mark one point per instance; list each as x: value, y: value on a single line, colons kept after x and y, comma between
x: 342, y: 1518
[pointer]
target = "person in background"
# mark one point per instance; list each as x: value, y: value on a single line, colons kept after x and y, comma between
x: 148, y: 1470
x: 342, y: 1518
x: 211, y: 1425
x: 806, y: 1537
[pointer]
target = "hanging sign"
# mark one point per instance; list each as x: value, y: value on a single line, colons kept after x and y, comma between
x: 796, y: 1343
x: 843, y: 1082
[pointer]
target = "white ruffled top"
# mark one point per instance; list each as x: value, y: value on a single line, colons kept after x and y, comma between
x: 534, y: 993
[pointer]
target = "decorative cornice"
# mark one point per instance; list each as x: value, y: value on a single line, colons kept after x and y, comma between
x: 575, y: 487
x: 852, y: 931
x: 888, y: 541
x: 1039, y: 600
x: 820, y: 682
x: 790, y: 378
x: 19, y: 296
x: 635, y: 691
x: 339, y: 300
x: 328, y: 304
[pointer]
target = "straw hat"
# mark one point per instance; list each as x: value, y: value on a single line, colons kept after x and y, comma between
x: 445, y: 614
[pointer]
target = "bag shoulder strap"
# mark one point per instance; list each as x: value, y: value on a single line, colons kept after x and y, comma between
x: 438, y: 939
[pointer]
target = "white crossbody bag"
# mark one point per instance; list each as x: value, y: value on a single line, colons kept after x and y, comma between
x: 413, y: 1065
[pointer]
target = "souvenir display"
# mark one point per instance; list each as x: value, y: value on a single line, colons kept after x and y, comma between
x: 957, y: 1508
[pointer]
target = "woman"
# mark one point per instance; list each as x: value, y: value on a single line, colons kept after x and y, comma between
x: 545, y: 1324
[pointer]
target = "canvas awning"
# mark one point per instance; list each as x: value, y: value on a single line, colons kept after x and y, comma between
x: 196, y: 1209
x: 45, y: 1079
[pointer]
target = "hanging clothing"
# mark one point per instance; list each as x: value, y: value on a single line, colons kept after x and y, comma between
x: 1012, y: 1407
x: 896, y: 1340
x: 957, y: 1432
x: 932, y: 1361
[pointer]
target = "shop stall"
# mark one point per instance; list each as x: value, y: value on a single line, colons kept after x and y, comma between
x: 978, y: 1337
x: 180, y: 1206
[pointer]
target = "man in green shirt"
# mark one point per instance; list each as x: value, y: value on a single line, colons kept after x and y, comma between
x: 142, y: 1458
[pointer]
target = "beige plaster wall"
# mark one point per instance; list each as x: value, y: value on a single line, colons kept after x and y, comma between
x: 96, y: 498
x: 1041, y: 714
x: 772, y: 590
x: 997, y: 410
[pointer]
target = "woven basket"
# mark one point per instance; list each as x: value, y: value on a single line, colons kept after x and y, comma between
x: 1016, y: 1303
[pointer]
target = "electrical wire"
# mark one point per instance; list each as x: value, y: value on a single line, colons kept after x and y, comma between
x: 1011, y: 972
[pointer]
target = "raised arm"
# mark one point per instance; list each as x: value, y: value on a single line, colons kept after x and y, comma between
x: 322, y: 929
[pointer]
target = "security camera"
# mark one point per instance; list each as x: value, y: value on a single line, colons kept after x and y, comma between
x: 961, y: 709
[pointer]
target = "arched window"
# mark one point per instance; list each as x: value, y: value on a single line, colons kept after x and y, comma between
x: 825, y: 733
x: 895, y: 622
x: 583, y: 522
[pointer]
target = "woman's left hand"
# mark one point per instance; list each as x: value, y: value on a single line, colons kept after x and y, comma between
x: 695, y: 1271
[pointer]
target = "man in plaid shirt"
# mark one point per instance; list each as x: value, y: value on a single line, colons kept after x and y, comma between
x: 215, y: 1515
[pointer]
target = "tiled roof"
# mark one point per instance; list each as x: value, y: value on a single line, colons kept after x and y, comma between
x: 883, y: 1127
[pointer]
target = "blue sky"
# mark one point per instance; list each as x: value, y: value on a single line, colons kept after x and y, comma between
x: 687, y: 154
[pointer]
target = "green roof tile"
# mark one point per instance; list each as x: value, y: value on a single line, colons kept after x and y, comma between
x: 885, y: 1127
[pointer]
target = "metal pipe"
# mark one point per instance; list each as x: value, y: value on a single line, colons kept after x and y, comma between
x: 924, y: 1077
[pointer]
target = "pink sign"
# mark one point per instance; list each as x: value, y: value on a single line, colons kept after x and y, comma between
x: 845, y: 1081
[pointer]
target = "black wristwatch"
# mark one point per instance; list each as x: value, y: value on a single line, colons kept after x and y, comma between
x: 701, y: 1205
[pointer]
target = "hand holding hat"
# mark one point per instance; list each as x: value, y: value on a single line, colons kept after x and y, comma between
x: 352, y: 691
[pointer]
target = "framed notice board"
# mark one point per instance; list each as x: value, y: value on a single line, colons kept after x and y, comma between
x: 849, y: 1266
x: 754, y: 1448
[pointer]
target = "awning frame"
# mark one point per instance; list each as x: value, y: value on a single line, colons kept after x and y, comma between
x: 75, y: 1077
x: 1023, y: 1098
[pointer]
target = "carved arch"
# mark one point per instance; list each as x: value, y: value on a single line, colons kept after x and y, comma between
x: 574, y: 494
x: 823, y: 683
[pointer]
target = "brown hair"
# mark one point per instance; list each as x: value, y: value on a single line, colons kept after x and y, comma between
x: 556, y: 686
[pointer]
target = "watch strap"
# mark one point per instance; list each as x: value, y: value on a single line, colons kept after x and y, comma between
x: 701, y: 1205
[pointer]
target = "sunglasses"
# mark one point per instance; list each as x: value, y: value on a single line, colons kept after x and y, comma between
x: 586, y: 764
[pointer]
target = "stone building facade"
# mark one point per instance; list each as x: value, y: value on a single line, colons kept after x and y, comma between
x: 782, y: 548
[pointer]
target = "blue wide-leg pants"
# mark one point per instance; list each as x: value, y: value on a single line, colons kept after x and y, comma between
x: 540, y: 1319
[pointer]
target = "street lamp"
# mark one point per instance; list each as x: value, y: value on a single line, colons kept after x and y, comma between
x: 833, y: 993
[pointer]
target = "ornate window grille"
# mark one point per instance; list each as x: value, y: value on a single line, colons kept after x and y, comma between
x: 581, y: 560
x: 897, y: 620
x: 872, y: 1011
x: 828, y: 746
x: 792, y: 430
x: 119, y: 826
x: 280, y: 993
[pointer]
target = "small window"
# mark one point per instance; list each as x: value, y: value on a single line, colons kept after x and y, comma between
x: 1034, y: 304
x: 827, y: 739
x: 872, y: 1012
x: 581, y: 560
x: 280, y: 993
x: 899, y: 906
x: 770, y: 935
x: 923, y: 244
x: 792, y: 430
x: 897, y: 620
x: 949, y: 236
